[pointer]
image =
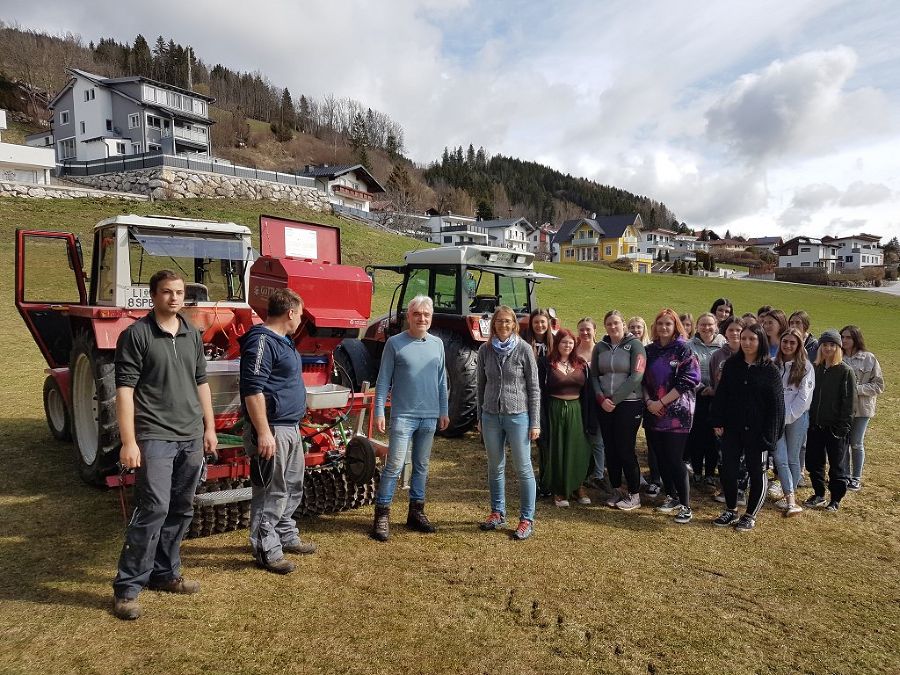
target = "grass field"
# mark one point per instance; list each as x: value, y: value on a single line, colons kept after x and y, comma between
x: 592, y: 591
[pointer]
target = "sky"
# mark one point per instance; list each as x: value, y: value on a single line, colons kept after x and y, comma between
x: 763, y: 118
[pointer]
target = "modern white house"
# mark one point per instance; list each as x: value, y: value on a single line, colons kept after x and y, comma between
x: 350, y: 186
x: 511, y: 233
x: 808, y: 252
x: 654, y: 242
x: 540, y: 242
x: 687, y: 245
x: 857, y: 251
x: 456, y: 230
x: 24, y: 164
x: 96, y: 117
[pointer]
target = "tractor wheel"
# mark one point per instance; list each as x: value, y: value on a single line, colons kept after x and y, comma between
x: 461, y: 380
x: 95, y: 429
x: 56, y: 411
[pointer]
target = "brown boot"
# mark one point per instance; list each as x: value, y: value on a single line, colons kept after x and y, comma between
x: 381, y: 526
x: 417, y: 520
x: 127, y: 609
x: 178, y: 585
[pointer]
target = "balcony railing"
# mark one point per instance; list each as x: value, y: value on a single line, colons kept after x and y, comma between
x: 585, y: 241
x: 191, y: 135
x: 358, y: 195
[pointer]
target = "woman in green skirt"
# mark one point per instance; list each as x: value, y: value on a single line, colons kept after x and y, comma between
x: 568, y: 452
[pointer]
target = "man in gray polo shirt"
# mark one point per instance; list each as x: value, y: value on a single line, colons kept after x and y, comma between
x: 164, y: 410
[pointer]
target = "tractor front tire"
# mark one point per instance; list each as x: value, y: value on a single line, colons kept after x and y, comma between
x: 460, y: 360
x: 56, y: 410
x: 95, y: 429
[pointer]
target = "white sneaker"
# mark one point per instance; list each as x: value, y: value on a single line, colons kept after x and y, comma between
x: 629, y: 502
x: 584, y: 501
x: 782, y: 504
x: 775, y: 490
x: 561, y: 503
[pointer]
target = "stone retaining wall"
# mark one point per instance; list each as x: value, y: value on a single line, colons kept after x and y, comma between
x: 61, y: 192
x: 167, y: 183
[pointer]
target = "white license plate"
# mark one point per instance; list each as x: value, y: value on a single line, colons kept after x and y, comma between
x: 484, y: 325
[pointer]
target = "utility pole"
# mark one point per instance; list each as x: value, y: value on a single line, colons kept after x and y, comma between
x: 190, y: 84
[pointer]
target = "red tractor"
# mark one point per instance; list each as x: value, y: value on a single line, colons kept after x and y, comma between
x: 227, y: 286
x: 467, y: 283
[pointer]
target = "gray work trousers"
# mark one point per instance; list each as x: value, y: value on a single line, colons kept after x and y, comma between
x: 277, y: 495
x: 164, y: 489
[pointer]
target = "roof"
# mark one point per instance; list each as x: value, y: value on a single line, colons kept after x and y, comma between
x: 504, y: 223
x: 610, y: 227
x: 863, y: 236
x: 171, y: 223
x: 110, y: 82
x: 765, y: 241
x: 334, y: 170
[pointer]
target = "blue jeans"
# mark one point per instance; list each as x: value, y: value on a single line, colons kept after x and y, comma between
x: 857, y: 449
x: 420, y: 432
x: 598, y: 453
x: 497, y: 430
x: 787, y: 453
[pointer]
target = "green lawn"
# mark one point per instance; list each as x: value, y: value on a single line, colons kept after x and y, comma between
x: 592, y: 591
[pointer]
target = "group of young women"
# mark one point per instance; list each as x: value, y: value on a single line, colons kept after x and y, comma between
x: 718, y: 398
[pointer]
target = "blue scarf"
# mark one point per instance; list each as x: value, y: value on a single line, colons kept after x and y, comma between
x: 505, y: 347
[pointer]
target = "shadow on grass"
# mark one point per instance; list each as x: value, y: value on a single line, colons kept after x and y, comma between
x: 56, y: 528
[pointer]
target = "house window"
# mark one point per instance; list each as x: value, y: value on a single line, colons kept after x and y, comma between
x: 154, y: 121
x: 66, y: 148
x: 135, y: 148
x: 448, y: 240
x: 82, y: 127
x: 63, y: 116
x: 109, y: 125
x: 805, y: 249
x: 849, y: 258
x: 806, y: 264
x: 89, y: 94
x: 153, y: 147
x: 788, y: 265
x: 134, y: 121
x: 609, y: 250
x: 120, y: 148
x: 569, y: 252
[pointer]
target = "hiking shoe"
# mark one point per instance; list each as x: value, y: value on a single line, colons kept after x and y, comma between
x: 669, y: 506
x: 854, y: 485
x: 792, y: 510
x: 775, y: 490
x: 814, y: 502
x: 417, y: 520
x: 127, y: 609
x: 561, y: 503
x: 781, y: 504
x: 299, y: 547
x: 684, y: 515
x: 653, y: 490
x: 178, y: 585
x: 629, y: 502
x: 725, y: 519
x: 494, y: 521
x: 745, y: 524
x: 381, y: 525
x: 833, y: 506
x: 280, y: 566
x: 524, y: 530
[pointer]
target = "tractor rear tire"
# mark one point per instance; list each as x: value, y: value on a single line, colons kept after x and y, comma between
x: 95, y: 429
x: 56, y: 410
x: 460, y: 360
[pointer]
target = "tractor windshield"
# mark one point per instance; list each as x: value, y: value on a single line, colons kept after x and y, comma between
x: 487, y: 290
x: 213, y: 264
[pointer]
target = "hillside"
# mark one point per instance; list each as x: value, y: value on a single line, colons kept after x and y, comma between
x: 261, y: 124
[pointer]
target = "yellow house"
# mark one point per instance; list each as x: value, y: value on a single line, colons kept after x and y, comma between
x: 607, y: 239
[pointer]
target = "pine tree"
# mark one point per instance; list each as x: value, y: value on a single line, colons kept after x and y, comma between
x: 484, y: 211
x: 141, y: 57
x: 358, y: 139
x: 391, y: 147
x: 667, y: 255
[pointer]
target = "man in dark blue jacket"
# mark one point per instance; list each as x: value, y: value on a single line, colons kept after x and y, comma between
x: 274, y: 400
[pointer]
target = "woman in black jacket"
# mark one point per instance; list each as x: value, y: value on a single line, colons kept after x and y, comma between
x: 748, y: 414
x: 830, y: 420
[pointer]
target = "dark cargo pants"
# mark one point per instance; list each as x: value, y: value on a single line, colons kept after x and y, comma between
x: 164, y: 505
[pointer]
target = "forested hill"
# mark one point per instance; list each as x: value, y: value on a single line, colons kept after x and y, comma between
x: 497, y: 184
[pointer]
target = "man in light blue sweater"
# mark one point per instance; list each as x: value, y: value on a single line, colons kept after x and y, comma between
x: 413, y: 371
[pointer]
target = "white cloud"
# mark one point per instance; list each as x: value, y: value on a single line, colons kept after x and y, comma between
x: 864, y: 194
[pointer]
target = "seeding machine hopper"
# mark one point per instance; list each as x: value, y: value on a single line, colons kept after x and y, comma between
x: 227, y: 289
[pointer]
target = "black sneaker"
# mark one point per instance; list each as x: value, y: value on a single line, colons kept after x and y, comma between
x: 854, y: 485
x: 814, y: 502
x: 684, y: 515
x: 745, y: 524
x: 726, y: 519
x: 833, y: 506
x: 669, y: 506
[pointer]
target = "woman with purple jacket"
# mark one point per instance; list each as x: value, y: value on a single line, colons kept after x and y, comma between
x: 671, y: 378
